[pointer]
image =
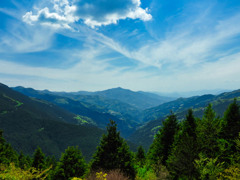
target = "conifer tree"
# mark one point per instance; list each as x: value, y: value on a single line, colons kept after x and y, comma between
x: 72, y: 164
x: 7, y: 153
x: 23, y: 161
x: 209, y: 129
x: 231, y: 127
x: 39, y: 159
x: 140, y: 156
x: 162, y: 144
x: 184, y: 151
x: 113, y: 153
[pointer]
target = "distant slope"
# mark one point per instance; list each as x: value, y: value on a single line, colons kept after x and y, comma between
x: 144, y: 135
x: 139, y: 100
x: 102, y: 104
x: 99, y: 115
x: 177, y: 106
x: 29, y: 123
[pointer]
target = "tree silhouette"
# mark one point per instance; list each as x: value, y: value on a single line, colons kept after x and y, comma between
x: 113, y: 153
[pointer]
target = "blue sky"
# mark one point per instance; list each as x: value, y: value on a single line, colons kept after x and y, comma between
x: 150, y: 45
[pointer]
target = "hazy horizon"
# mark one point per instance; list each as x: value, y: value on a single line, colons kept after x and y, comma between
x: 174, y: 94
x: 148, y: 45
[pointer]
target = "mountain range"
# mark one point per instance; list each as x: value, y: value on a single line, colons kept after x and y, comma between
x: 55, y: 120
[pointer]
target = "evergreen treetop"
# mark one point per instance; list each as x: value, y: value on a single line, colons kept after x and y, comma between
x: 161, y: 147
x: 113, y: 153
x: 140, y: 156
x: 231, y: 126
x: 185, y: 150
x: 39, y: 159
x: 71, y: 164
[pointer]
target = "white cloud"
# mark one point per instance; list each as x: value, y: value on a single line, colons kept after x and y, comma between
x: 94, y: 13
x: 62, y: 16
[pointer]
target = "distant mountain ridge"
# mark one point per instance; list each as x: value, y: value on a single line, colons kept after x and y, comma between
x: 140, y: 100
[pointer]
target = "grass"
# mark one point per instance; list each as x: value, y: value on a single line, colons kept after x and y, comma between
x: 18, y: 103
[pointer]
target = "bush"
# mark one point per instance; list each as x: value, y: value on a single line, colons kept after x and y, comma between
x: 12, y: 172
x: 111, y: 175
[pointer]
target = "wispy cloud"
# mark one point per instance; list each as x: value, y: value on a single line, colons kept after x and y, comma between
x: 197, y: 51
x: 21, y: 38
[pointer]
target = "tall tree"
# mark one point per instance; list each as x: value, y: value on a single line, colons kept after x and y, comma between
x: 184, y: 151
x: 23, y: 161
x: 140, y: 156
x: 162, y: 144
x: 72, y: 164
x: 231, y: 126
x: 7, y: 153
x: 209, y: 129
x: 39, y: 159
x: 113, y: 153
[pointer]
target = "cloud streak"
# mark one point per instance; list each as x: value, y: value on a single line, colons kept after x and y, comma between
x: 198, y: 51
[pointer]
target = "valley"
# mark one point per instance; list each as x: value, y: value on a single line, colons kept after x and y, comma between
x: 93, y: 110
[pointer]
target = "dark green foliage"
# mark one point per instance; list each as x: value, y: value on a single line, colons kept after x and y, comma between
x: 189, y: 125
x: 140, y: 156
x: 185, y: 150
x: 113, y: 153
x: 39, y: 159
x: 162, y: 144
x: 51, y: 162
x: 7, y: 154
x: 24, y: 162
x: 209, y: 129
x: 40, y: 123
x: 72, y: 164
x: 231, y: 126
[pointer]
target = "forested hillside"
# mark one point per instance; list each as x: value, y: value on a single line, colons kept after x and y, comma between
x: 194, y: 148
x: 144, y: 135
x: 89, y: 106
x: 197, y: 103
x: 28, y: 123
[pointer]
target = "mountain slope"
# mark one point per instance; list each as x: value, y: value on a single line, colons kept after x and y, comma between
x: 101, y: 104
x: 154, y: 116
x: 97, y: 115
x: 29, y: 123
x: 139, y: 100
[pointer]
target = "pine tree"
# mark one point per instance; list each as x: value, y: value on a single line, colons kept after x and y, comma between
x: 140, y: 156
x: 23, y: 161
x: 231, y: 119
x: 162, y: 144
x: 209, y: 129
x: 113, y: 153
x: 39, y: 159
x: 72, y: 164
x: 7, y: 153
x: 184, y: 151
